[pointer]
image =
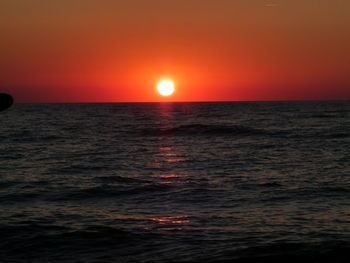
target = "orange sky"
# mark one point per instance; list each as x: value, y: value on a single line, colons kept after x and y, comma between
x: 116, y: 50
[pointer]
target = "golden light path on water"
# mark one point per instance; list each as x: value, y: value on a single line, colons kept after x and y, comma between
x: 163, y: 156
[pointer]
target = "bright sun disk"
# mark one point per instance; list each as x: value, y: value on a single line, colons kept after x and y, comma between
x: 166, y: 87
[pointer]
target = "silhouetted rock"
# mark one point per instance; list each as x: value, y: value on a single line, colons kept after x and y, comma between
x: 6, y: 101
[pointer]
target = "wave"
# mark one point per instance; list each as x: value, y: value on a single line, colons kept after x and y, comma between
x: 118, y: 179
x: 32, y: 242
x: 324, y: 116
x: 324, y: 252
x: 310, y: 193
x: 107, y: 191
x: 41, y: 243
x: 203, y: 129
x: 339, y: 135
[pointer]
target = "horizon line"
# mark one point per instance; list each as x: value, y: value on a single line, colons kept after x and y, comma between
x: 199, y: 101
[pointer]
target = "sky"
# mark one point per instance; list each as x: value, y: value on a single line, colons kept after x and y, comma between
x: 214, y: 50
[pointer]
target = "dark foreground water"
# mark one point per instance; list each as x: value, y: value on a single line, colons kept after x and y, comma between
x: 175, y: 182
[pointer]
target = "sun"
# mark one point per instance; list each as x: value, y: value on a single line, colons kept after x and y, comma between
x: 166, y: 87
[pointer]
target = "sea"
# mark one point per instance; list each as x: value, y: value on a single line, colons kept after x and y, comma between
x: 175, y: 182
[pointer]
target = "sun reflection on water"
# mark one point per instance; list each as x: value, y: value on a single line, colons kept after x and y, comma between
x: 176, y: 160
x: 168, y: 154
x: 165, y: 152
x: 169, y: 176
x: 168, y: 223
x: 165, y: 148
x: 171, y: 220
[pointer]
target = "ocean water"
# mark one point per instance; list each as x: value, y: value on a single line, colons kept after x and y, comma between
x: 175, y: 182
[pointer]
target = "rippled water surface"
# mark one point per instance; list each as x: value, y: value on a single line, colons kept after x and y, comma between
x: 175, y: 182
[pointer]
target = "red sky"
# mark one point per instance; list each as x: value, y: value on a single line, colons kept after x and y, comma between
x: 111, y: 51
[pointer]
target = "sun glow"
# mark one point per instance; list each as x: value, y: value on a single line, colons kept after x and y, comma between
x: 166, y: 87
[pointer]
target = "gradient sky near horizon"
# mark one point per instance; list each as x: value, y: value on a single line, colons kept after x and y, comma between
x: 117, y: 50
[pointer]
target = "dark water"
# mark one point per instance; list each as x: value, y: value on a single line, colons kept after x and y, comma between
x: 176, y: 182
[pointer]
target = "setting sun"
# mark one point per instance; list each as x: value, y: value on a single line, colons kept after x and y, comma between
x: 166, y: 87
